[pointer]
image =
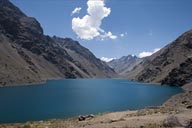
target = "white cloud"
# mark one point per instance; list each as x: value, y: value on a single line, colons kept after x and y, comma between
x: 105, y: 59
x: 88, y: 27
x: 108, y: 35
x: 122, y: 35
x: 76, y: 10
x: 145, y: 54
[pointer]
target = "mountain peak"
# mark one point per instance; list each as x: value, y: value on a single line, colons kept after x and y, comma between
x: 124, y: 64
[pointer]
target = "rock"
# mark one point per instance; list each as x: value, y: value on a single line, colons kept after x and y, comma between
x: 82, y: 118
x: 189, y: 107
x: 184, y: 102
x: 189, y: 125
x: 171, y: 121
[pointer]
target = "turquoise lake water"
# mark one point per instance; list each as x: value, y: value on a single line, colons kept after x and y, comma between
x: 73, y: 97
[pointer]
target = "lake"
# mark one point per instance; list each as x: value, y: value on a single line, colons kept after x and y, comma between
x: 72, y: 97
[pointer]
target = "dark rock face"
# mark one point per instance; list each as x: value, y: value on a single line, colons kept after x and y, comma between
x: 40, y: 54
x: 180, y: 75
x: 171, y: 65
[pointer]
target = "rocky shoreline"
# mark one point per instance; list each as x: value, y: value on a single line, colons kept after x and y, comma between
x: 175, y: 112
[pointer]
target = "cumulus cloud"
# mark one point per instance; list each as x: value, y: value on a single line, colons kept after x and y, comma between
x: 108, y: 35
x: 76, y: 10
x: 105, y: 59
x: 145, y: 54
x: 88, y: 27
x: 123, y: 34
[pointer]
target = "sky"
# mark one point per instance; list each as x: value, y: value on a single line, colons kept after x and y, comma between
x: 113, y: 28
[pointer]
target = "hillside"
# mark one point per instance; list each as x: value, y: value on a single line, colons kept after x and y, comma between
x: 84, y: 58
x: 171, y: 65
x: 29, y: 56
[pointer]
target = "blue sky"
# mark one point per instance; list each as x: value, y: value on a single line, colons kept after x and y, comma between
x: 145, y: 24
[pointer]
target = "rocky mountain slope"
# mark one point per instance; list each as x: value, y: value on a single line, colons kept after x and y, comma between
x: 94, y: 66
x: 124, y: 64
x: 28, y: 56
x: 171, y: 65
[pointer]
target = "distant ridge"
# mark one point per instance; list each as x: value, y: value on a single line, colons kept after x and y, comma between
x: 124, y: 64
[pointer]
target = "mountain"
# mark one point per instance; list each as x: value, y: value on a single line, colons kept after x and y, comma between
x: 84, y: 58
x: 29, y: 56
x: 124, y: 64
x: 172, y: 65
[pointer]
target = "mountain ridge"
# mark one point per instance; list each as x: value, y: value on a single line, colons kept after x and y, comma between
x: 124, y: 64
x: 166, y: 65
x: 85, y: 58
